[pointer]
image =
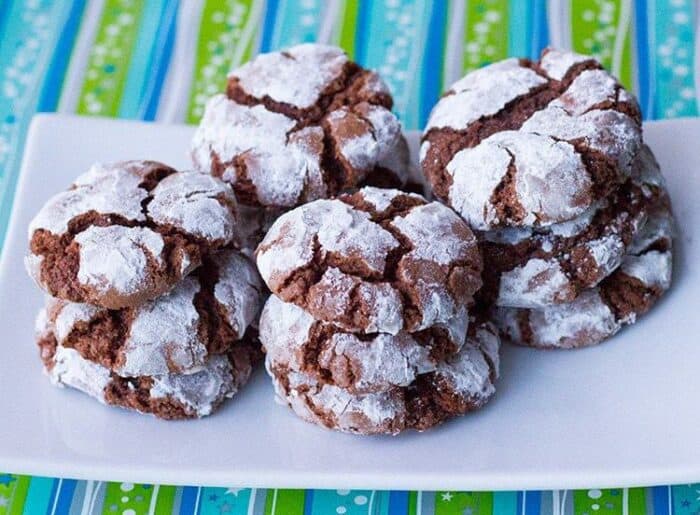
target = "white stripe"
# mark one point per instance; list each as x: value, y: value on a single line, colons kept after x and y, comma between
x: 455, y: 42
x: 154, y: 500
x: 559, y: 23
x: 625, y: 501
x: 75, y: 75
x: 371, y: 502
x: 249, y: 31
x: 251, y: 501
x: 86, y: 509
x: 55, y: 500
x: 419, y: 503
x: 330, y: 22
x: 100, y: 484
x: 196, y: 502
x: 556, y: 506
x: 178, y: 81
x: 563, y: 502
x: 621, y: 36
x: 274, y: 502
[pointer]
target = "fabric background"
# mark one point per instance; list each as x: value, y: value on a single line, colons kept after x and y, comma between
x: 161, y: 60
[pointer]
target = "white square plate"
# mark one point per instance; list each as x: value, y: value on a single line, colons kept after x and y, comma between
x: 624, y: 413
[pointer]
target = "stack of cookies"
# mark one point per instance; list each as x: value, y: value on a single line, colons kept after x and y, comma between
x: 370, y: 328
x: 545, y: 160
x: 294, y: 126
x: 149, y: 306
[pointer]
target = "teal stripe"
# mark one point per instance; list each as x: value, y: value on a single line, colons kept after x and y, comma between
x: 296, y: 22
x: 214, y: 501
x: 519, y: 28
x: 133, y: 99
x: 672, y: 26
x: 26, y: 51
x: 505, y: 503
x: 38, y: 495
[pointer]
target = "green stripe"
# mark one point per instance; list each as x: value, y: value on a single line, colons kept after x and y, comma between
x: 485, y: 37
x: 108, y: 64
x: 412, y: 503
x: 285, y: 502
x: 19, y: 495
x: 120, y: 497
x: 594, y: 31
x: 458, y: 503
x: 347, y: 27
x: 165, y: 500
x: 221, y: 32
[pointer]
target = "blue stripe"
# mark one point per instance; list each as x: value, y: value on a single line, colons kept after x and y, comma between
x: 432, y: 60
x: 532, y: 502
x: 540, y: 30
x: 38, y: 494
x: 661, y: 500
x: 364, y: 11
x: 65, y: 497
x: 642, y: 32
x: 155, y: 90
x: 53, y: 80
x: 188, y: 501
x: 4, y: 9
x: 398, y: 503
x: 268, y: 25
x: 140, y: 66
x: 52, y: 495
x: 309, y: 502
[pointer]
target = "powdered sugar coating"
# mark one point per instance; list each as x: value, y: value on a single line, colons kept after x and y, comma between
x: 197, y: 204
x: 598, y: 313
x: 520, y: 144
x: 483, y: 92
x: 277, y: 74
x: 238, y: 291
x: 117, y: 260
x: 461, y: 384
x: 280, y: 137
x: 556, y: 63
x: 293, y: 339
x: 166, y: 335
x: 331, y: 257
x: 545, y: 265
x: 551, y: 182
x: 196, y: 395
x: 126, y: 232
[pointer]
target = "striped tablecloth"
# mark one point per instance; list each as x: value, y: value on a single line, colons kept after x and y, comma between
x: 161, y: 60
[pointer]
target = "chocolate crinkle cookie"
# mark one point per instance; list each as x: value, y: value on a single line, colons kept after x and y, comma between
x: 598, y: 313
x: 170, y: 396
x: 127, y: 232
x: 521, y: 143
x: 374, y: 261
x: 206, y: 314
x: 533, y: 267
x: 462, y: 383
x: 298, y: 125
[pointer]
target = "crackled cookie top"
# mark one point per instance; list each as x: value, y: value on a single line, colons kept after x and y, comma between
x: 127, y: 232
x: 356, y: 362
x: 374, y: 261
x: 207, y: 313
x: 598, y: 313
x: 170, y: 396
x: 461, y: 383
x: 298, y: 125
x: 521, y: 143
x: 535, y: 267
